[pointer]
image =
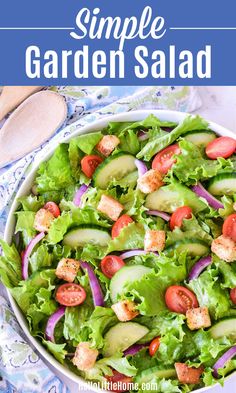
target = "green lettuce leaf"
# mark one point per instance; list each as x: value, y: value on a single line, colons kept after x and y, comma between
x: 129, y: 142
x: 103, y: 367
x: 10, y: 265
x: 87, y: 142
x: 41, y: 258
x: 57, y: 350
x: 75, y: 156
x: 164, y: 323
x: 25, y: 293
x: 39, y: 311
x: 150, y: 122
x: 59, y: 227
x: 130, y: 237
x: 31, y: 203
x: 76, y: 317
x: 209, y: 293
x: 209, y: 349
x: 226, y: 272
x: 55, y: 174
x: 25, y: 224
x: 132, y: 201
x: 100, y: 321
x: 191, y: 165
x: 190, y: 229
x: 149, y: 291
x: 190, y: 123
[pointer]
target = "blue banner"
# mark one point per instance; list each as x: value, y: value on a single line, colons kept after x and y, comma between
x: 123, y: 42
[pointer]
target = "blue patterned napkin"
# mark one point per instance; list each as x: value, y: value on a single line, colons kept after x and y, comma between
x: 21, y: 368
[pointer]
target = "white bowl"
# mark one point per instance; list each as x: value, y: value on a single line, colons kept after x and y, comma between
x: 26, y: 187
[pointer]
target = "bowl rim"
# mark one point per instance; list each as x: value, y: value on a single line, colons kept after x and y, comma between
x: 24, y: 189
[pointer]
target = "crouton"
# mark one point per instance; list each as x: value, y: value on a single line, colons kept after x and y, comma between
x: 107, y: 144
x: 43, y: 220
x: 150, y: 181
x: 186, y: 374
x: 67, y: 269
x: 198, y: 318
x: 110, y: 206
x: 125, y: 310
x: 85, y: 357
x: 154, y: 240
x: 224, y: 248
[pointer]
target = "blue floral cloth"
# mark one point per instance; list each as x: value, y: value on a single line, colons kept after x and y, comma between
x: 21, y: 368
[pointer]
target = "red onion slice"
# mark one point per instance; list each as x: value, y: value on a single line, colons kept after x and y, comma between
x: 52, y: 321
x: 202, y: 192
x: 158, y: 213
x: 134, y: 349
x: 133, y: 253
x: 223, y: 359
x: 142, y: 135
x: 167, y: 129
x: 199, y: 267
x: 97, y: 294
x: 27, y: 253
x: 78, y: 195
x: 142, y: 168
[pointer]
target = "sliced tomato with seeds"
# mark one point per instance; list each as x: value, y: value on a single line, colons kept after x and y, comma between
x: 119, y: 382
x: 70, y: 294
x: 177, y: 217
x: 233, y: 295
x: 89, y: 164
x: 53, y: 208
x: 229, y: 227
x: 154, y: 345
x: 122, y: 222
x: 164, y: 160
x: 111, y: 264
x: 180, y: 299
x: 223, y: 146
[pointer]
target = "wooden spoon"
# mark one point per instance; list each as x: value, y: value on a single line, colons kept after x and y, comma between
x: 12, y: 96
x: 31, y: 124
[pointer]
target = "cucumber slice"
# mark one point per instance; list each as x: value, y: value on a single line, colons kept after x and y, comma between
x: 225, y: 327
x: 223, y: 184
x: 114, y: 167
x: 147, y: 375
x: 169, y: 198
x: 122, y: 336
x: 200, y: 138
x: 80, y: 236
x: 123, y: 276
x: 195, y: 247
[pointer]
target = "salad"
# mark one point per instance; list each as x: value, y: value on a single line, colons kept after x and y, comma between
x: 124, y: 256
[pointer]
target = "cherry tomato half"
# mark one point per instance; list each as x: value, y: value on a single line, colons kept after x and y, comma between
x: 229, y: 227
x: 70, y: 294
x: 89, y: 164
x: 233, y: 295
x: 122, y: 222
x: 177, y: 217
x: 164, y: 160
x: 180, y: 299
x: 221, y: 147
x: 53, y: 208
x: 119, y: 382
x: 154, y: 345
x: 111, y: 264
